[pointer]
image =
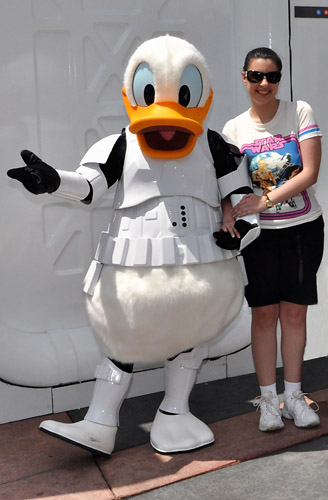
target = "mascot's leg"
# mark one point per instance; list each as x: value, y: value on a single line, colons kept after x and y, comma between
x: 97, y: 432
x: 175, y: 428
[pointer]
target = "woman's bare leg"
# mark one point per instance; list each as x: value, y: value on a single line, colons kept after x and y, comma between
x: 293, y: 339
x: 264, y: 342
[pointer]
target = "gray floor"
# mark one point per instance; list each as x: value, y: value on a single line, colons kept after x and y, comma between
x: 211, y: 402
x: 300, y: 472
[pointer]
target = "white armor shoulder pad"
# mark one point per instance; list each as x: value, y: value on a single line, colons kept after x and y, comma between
x: 99, y: 152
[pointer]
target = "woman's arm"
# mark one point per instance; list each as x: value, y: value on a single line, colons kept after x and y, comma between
x: 311, y: 158
x: 228, y: 221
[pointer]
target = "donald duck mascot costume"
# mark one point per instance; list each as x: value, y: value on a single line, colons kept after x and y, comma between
x: 161, y: 286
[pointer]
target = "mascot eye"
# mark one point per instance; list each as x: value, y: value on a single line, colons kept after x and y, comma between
x: 143, y: 86
x: 191, y: 87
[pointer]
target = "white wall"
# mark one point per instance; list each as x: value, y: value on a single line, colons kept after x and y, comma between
x: 309, y: 41
x: 61, y: 67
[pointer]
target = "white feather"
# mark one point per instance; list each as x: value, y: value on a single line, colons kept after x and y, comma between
x: 152, y: 314
x: 167, y: 56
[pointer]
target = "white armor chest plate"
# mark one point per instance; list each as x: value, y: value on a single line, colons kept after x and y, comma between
x: 144, y: 178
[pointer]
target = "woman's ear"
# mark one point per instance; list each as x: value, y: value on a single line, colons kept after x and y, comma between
x: 244, y: 77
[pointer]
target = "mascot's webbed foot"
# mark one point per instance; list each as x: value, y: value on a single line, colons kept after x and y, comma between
x: 226, y: 241
x: 97, y: 438
x: 176, y: 433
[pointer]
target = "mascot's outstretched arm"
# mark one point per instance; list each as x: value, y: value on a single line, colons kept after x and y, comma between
x: 87, y: 183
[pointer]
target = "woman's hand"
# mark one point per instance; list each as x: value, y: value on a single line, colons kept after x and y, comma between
x: 227, y: 235
x: 228, y: 221
x: 228, y: 226
x: 250, y: 204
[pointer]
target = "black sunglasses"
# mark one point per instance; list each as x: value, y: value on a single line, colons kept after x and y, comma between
x: 257, y: 76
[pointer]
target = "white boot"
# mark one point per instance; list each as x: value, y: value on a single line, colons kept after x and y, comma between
x: 177, y: 429
x: 97, y: 432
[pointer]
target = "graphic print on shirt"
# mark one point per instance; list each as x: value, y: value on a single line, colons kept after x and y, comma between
x: 272, y: 161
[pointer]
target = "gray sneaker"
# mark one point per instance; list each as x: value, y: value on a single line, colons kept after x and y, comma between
x: 269, y: 405
x: 295, y: 407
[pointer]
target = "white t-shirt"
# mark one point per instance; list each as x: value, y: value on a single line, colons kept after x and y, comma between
x: 274, y: 156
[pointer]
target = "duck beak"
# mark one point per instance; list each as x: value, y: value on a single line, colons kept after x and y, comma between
x: 166, y: 129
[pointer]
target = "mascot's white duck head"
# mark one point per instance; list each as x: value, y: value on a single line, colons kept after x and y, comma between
x: 167, y: 95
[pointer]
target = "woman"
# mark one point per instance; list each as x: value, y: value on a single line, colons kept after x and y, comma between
x: 283, y: 144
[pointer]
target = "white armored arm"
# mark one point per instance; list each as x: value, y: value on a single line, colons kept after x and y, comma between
x: 73, y: 186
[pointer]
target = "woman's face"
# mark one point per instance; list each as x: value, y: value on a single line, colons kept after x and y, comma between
x: 262, y: 92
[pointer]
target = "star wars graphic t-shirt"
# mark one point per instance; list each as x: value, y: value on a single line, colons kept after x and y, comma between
x: 274, y: 156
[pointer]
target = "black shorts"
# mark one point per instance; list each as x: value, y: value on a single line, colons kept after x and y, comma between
x: 282, y: 265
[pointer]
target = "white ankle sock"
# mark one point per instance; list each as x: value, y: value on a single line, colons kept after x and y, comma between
x: 291, y: 387
x: 268, y: 388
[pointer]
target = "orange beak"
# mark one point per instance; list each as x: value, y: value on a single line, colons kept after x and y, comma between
x: 166, y: 129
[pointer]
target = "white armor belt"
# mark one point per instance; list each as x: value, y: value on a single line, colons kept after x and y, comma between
x: 170, y: 231
x: 175, y: 230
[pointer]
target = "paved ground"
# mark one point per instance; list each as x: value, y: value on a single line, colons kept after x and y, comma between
x: 243, y: 463
x: 299, y: 472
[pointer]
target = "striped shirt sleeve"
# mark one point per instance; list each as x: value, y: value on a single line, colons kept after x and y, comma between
x: 308, y: 126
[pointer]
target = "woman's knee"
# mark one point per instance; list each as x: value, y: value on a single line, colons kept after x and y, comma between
x: 265, y: 317
x: 292, y: 314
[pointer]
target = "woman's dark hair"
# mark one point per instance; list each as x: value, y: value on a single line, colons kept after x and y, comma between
x: 262, y: 53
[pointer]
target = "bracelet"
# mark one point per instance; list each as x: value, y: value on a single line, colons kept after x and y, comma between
x: 268, y: 202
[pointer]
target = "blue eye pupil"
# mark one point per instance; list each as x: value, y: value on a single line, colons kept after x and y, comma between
x: 149, y: 94
x: 184, y: 95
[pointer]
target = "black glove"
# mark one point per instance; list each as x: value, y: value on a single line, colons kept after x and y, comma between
x: 37, y: 177
x: 225, y: 240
